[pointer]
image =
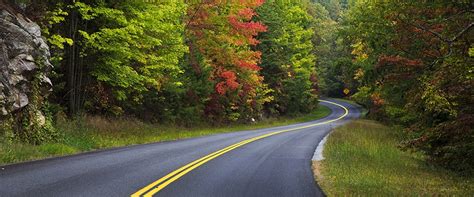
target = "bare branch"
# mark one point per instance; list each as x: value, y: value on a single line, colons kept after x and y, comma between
x: 430, y: 31
x: 462, y: 32
x: 449, y: 41
x: 194, y: 14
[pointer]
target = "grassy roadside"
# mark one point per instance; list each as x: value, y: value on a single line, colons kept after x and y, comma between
x: 362, y: 158
x: 93, y: 133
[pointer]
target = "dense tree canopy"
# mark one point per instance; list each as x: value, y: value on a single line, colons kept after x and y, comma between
x: 222, y: 34
x: 181, y: 61
x: 410, y: 63
x: 411, y: 66
x: 288, y: 62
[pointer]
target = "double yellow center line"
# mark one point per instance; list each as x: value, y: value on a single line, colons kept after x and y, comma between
x: 161, y: 183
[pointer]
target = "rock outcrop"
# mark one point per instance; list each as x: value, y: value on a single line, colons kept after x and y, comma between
x: 24, y: 64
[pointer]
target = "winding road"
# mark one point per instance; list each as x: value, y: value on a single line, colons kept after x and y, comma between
x: 266, y: 162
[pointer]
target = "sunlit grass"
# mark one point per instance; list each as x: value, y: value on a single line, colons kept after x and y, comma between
x: 92, y: 133
x: 362, y: 159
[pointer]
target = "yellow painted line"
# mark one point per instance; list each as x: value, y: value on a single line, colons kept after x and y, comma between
x: 161, y: 183
x: 150, y: 186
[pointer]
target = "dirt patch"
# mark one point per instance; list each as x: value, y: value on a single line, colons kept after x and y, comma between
x: 317, y: 170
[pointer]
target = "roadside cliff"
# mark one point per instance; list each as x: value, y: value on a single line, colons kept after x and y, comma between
x: 24, y: 85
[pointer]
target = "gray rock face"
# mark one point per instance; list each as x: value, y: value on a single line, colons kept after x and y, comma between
x: 24, y: 55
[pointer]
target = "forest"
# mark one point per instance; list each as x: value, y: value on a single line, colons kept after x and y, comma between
x: 410, y: 63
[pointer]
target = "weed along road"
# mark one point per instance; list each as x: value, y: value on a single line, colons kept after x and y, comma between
x: 266, y: 162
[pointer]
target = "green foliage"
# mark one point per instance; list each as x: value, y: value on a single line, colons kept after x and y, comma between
x: 180, y: 62
x: 413, y: 66
x: 59, y: 41
x: 363, y: 96
x: 333, y: 7
x: 288, y: 61
x: 138, y: 51
x: 33, y: 124
x: 7, y: 129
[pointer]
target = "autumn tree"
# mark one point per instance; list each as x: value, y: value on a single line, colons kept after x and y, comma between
x: 220, y: 37
x: 416, y: 70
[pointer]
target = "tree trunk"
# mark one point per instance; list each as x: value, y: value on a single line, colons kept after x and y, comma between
x: 71, y: 65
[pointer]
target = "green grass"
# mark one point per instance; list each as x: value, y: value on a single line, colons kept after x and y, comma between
x: 362, y: 159
x: 93, y: 133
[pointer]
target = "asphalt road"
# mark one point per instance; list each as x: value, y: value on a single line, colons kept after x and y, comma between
x: 277, y: 165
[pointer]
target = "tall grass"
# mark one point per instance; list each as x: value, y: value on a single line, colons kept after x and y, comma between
x: 94, y: 132
x: 362, y: 159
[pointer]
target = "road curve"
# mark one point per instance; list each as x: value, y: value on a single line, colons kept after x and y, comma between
x: 277, y: 165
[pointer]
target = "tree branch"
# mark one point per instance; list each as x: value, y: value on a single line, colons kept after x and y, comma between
x: 430, y: 31
x: 462, y: 32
